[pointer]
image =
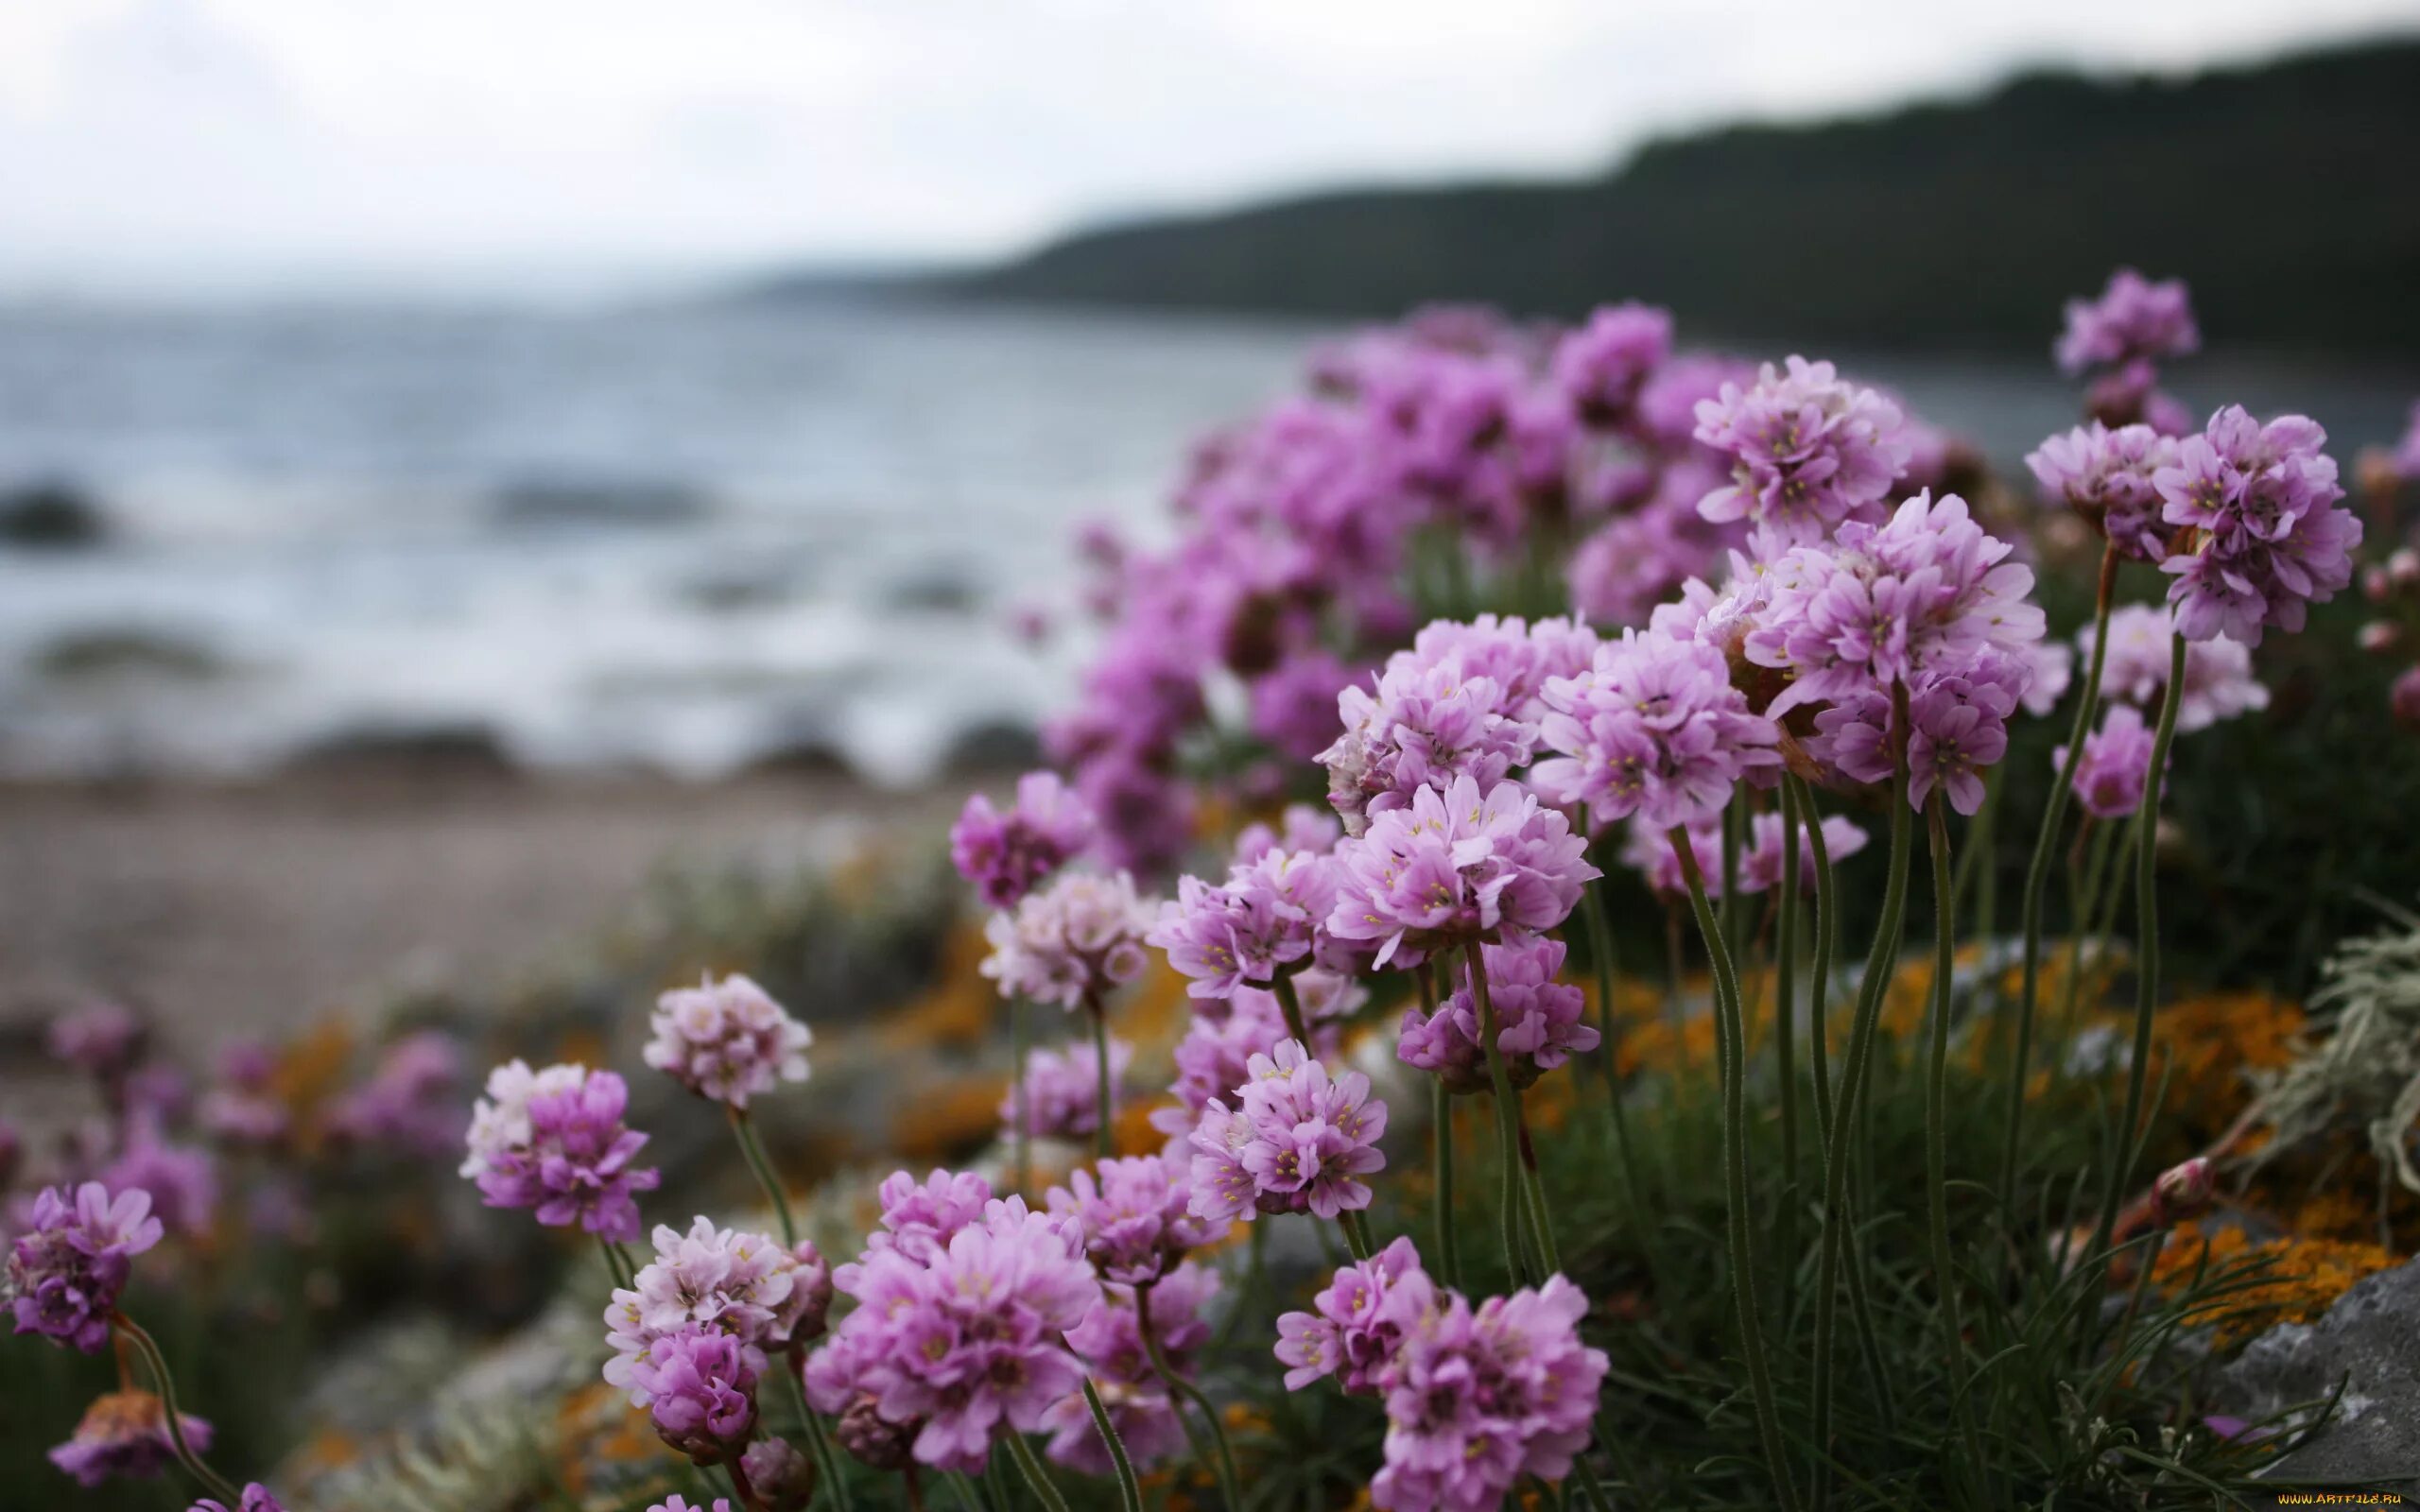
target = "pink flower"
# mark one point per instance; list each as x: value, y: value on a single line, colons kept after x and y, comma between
x: 741, y: 1284
x: 1653, y: 729
x: 1063, y: 1091
x: 727, y: 1040
x: 1005, y: 855
x: 255, y: 1498
x: 2266, y: 538
x: 1458, y: 865
x: 125, y: 1434
x: 1761, y: 864
x: 2133, y: 318
x: 1810, y: 450
x: 554, y: 1141
x: 2116, y: 759
x: 1298, y: 1141
x: 1070, y: 943
x: 2218, y: 683
x: 1136, y: 1216
x: 1213, y: 1057
x: 103, y: 1039
x: 411, y: 1105
x: 919, y: 1219
x: 1649, y: 853
x: 1538, y: 1021
x: 1263, y: 919
x: 1431, y: 720
x: 2105, y: 475
x: 1476, y: 1398
x: 67, y: 1271
x: 1603, y: 364
x: 1358, y: 1321
x: 701, y: 1388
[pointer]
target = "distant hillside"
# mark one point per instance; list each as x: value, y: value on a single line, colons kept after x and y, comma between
x: 2289, y: 194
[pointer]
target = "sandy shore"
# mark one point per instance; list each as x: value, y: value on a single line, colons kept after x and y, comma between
x: 251, y: 908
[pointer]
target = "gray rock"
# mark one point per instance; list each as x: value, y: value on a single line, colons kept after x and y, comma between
x: 2370, y: 1340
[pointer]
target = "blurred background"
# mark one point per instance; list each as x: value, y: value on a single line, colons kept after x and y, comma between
x: 458, y: 456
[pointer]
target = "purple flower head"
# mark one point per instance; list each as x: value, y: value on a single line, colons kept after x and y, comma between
x: 1110, y: 1340
x: 1478, y: 1398
x: 553, y: 1141
x: 1294, y: 703
x: 1537, y: 1018
x: 104, y: 1040
x: 2116, y: 759
x: 1137, y: 1218
x: 1458, y: 865
x: 124, y: 1436
x: 2265, y: 538
x: 1146, y: 812
x: 255, y: 1498
x: 1298, y: 1141
x: 1809, y: 449
x: 736, y: 1284
x: 701, y: 1388
x: 2133, y: 319
x: 67, y: 1269
x: 1951, y: 739
x: 1006, y: 855
x: 1603, y: 363
x: 1063, y: 1091
x: 918, y: 1219
x: 1357, y: 1322
x: 410, y: 1104
x: 2218, y: 683
x: 1924, y: 591
x: 967, y: 1342
x: 1264, y: 921
x: 1958, y: 724
x: 2105, y: 475
x: 1430, y: 721
x: 783, y: 1479
x: 1214, y: 1057
x: 1653, y: 729
x: 727, y: 1040
x: 1761, y: 864
x: 1071, y: 941
x: 181, y: 1180
x: 1516, y: 658
x: 1632, y: 563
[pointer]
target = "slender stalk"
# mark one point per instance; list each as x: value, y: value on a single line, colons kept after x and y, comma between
x: 1517, y: 1174
x: 1945, y: 929
x: 1600, y: 955
x: 1833, y: 1239
x: 1105, y: 1132
x: 1827, y: 937
x: 915, y: 1487
x: 1020, y: 1135
x: 969, y: 1500
x: 1731, y: 1032
x: 1130, y: 1490
x: 2147, y: 945
x: 1290, y: 1003
x: 1039, y: 1479
x: 2037, y: 878
x: 617, y: 1263
x: 1224, y: 1465
x: 1356, y: 1230
x: 157, y: 1365
x: 1440, y: 1141
x: 827, y: 1460
x: 2086, y: 907
x: 753, y: 1149
x: 1786, y: 1047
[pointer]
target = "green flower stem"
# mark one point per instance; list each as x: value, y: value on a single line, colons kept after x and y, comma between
x: 2037, y: 879
x: 1731, y: 1031
x: 1441, y: 1146
x: 1827, y: 935
x: 1021, y: 1136
x: 1600, y: 957
x: 157, y: 1365
x: 1130, y: 1490
x: 1786, y: 1047
x: 2146, y: 950
x: 753, y: 1149
x: 1517, y: 1174
x: 968, y: 1497
x: 1290, y: 1003
x: 1944, y: 930
x: 1356, y: 1229
x: 1105, y: 1132
x: 1224, y: 1465
x: 1834, y: 1237
x: 827, y: 1460
x: 2086, y: 907
x: 1039, y: 1479
x: 618, y: 1264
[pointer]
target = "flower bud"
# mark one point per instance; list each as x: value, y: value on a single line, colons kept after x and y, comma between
x: 2185, y: 1192
x: 874, y: 1440
x: 2380, y: 636
x: 2403, y: 567
x: 783, y: 1479
x: 2376, y: 585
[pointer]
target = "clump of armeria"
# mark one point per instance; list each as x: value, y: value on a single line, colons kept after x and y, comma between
x: 727, y: 1040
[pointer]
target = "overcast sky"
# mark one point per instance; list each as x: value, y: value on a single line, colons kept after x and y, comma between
x: 172, y: 144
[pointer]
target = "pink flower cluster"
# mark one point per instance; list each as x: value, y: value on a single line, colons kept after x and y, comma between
x: 1457, y: 866
x: 68, y: 1269
x: 1538, y: 1021
x: 1809, y: 450
x: 2105, y: 475
x: 554, y: 1141
x: 2218, y: 683
x: 1110, y: 1342
x: 2266, y: 539
x: 1430, y: 720
x: 1071, y: 941
x: 727, y: 1040
x: 1006, y: 855
x: 1264, y: 921
x: 2134, y: 319
x: 1476, y: 1398
x: 2116, y: 762
x: 1136, y: 1216
x: 1212, y: 1059
x: 1298, y: 1140
x: 962, y: 1339
x: 1063, y: 1091
x: 124, y: 1436
x: 1653, y: 729
x: 411, y: 1103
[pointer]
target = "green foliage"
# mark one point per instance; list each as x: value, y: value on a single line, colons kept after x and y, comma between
x: 1959, y: 224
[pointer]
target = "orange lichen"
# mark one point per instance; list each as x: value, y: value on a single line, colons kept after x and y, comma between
x: 951, y: 1116
x: 2300, y: 1280
x: 962, y: 1007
